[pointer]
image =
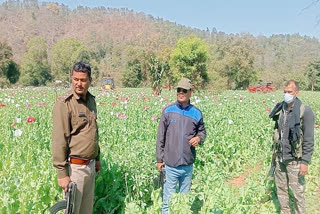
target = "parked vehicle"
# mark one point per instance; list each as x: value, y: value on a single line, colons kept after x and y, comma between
x: 108, y: 83
x: 262, y: 88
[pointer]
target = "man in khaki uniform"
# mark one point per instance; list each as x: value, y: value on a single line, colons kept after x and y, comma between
x: 294, y: 138
x: 75, y: 148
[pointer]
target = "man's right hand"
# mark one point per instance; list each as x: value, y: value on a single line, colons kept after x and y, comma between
x: 160, y: 165
x: 64, y: 182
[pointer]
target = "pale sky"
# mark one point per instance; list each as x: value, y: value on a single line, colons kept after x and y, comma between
x: 265, y: 17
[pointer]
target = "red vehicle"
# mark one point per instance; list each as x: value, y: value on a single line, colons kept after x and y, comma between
x: 261, y: 88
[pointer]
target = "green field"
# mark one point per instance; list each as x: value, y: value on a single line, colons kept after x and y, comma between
x: 229, y: 173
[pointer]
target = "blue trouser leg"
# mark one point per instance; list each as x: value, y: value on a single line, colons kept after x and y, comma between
x: 181, y: 174
x: 185, y: 179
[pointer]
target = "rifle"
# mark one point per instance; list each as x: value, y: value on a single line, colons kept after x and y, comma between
x: 162, y: 177
x: 67, y: 203
x: 270, y: 178
x: 272, y: 168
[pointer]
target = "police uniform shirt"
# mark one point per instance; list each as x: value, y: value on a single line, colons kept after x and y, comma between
x: 74, y: 124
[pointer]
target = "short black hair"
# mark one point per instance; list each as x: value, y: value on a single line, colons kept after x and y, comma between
x: 294, y: 82
x: 82, y: 67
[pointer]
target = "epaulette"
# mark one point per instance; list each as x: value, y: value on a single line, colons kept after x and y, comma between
x: 65, y: 97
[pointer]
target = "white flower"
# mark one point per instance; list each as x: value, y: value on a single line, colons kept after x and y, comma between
x: 240, y: 101
x: 125, y: 107
x: 198, y: 101
x: 111, y: 113
x: 155, y: 103
x: 17, y: 105
x: 220, y: 104
x: 18, y: 120
x: 230, y: 121
x: 17, y: 133
x: 98, y: 103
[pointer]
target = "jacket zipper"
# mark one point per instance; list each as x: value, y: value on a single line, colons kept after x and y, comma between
x: 182, y: 134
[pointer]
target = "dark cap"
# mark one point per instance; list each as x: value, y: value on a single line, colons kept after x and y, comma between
x: 185, y: 84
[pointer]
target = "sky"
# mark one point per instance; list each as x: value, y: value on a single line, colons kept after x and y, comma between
x: 258, y: 17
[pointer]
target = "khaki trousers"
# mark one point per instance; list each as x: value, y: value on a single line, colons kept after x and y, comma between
x: 287, y: 175
x: 84, y: 177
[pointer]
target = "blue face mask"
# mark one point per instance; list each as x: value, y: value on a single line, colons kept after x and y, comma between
x: 288, y: 98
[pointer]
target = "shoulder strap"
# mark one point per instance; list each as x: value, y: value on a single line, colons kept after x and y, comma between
x: 302, y: 108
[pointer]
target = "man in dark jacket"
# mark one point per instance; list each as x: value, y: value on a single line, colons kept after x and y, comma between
x: 181, y: 130
x: 294, y: 140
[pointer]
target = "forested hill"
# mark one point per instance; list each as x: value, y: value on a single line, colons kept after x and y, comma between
x: 112, y: 27
x: 117, y: 37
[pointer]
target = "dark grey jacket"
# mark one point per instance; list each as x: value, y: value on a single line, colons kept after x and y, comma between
x: 305, y: 123
x: 177, y: 126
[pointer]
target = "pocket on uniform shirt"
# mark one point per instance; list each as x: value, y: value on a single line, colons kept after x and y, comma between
x: 78, y: 123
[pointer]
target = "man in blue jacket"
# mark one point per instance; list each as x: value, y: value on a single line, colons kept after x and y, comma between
x: 181, y: 130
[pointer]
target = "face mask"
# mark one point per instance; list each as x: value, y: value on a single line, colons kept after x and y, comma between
x: 288, y: 98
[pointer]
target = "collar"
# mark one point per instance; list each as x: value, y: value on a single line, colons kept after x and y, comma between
x: 180, y: 105
x: 285, y: 105
x: 78, y: 97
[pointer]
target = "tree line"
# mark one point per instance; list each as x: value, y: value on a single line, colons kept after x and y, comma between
x: 40, y: 42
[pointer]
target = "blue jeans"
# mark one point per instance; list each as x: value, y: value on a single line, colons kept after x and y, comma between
x: 181, y: 174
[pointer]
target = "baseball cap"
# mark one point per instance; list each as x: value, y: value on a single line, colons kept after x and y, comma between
x: 184, y: 83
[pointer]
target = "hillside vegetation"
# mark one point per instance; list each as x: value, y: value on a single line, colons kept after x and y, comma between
x: 114, y: 38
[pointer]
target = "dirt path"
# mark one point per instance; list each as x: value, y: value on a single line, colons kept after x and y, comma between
x: 241, y: 180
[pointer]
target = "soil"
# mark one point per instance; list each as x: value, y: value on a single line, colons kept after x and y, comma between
x: 241, y: 180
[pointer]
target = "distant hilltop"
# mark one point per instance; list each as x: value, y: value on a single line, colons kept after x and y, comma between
x: 114, y: 35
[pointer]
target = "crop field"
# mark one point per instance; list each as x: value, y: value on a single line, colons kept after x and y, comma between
x: 229, y: 173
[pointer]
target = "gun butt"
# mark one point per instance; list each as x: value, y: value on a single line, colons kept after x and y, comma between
x: 162, y: 177
x: 71, y: 195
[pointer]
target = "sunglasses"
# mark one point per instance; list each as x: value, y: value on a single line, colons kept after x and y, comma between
x: 182, y: 90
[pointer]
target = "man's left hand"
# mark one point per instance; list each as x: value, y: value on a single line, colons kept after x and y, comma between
x: 98, y: 167
x: 303, y: 169
x: 194, y: 141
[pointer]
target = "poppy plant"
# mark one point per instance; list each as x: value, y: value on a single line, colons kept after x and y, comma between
x: 31, y: 119
x: 122, y: 116
x: 17, y: 133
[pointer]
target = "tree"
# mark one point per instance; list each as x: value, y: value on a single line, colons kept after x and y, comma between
x: 164, y: 57
x: 35, y: 69
x: 189, y: 59
x: 64, y: 55
x: 157, y: 70
x: 132, y: 77
x: 313, y: 75
x: 9, y: 72
x: 237, y: 62
x: 13, y: 72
